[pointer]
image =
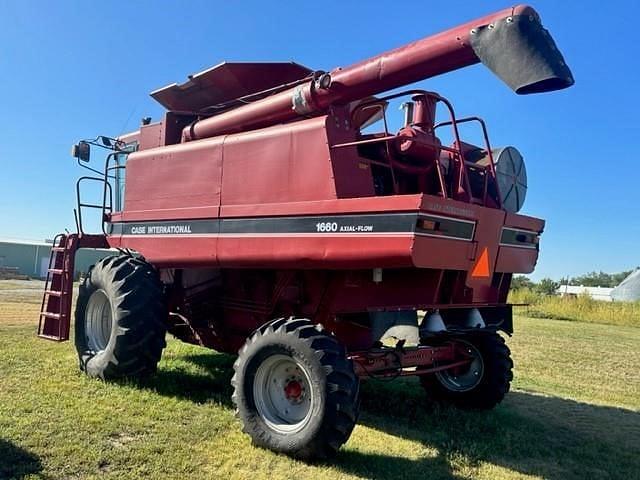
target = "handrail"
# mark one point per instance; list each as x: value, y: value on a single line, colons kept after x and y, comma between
x: 81, y: 205
x: 492, y: 166
x: 463, y: 180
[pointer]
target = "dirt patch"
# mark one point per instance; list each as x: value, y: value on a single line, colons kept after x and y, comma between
x: 121, y: 440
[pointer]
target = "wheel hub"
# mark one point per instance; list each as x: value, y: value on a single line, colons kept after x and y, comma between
x: 282, y: 393
x: 98, y: 321
x: 467, y: 377
x: 294, y: 390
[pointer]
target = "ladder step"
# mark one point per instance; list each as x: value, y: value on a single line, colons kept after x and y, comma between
x: 55, y: 316
x: 57, y: 249
x: 56, y: 271
x: 53, y: 293
x: 51, y: 337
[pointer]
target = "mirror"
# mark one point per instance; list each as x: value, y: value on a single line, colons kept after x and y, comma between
x: 81, y: 151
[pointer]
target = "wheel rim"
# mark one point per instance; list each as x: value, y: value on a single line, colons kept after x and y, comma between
x: 467, y: 378
x: 282, y: 394
x: 98, y: 321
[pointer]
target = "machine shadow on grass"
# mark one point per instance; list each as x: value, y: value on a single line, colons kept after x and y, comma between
x: 212, y: 386
x: 532, y: 434
x: 16, y: 462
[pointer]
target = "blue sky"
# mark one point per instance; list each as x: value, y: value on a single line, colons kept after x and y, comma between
x: 73, y: 70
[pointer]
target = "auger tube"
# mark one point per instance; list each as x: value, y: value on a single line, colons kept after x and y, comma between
x: 512, y: 43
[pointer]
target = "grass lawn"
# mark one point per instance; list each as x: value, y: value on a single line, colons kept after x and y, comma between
x: 574, y: 413
x: 13, y: 285
x: 580, y: 309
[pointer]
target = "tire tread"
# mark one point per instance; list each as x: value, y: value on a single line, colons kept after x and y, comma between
x: 139, y: 314
x: 342, y: 388
x: 493, y: 387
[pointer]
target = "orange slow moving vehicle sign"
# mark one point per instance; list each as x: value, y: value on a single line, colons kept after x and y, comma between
x: 481, y: 268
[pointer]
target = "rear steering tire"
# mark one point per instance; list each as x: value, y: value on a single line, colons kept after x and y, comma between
x: 120, y: 320
x: 295, y: 390
x: 481, y: 385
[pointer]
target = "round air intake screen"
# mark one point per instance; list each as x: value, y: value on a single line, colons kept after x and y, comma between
x: 512, y: 177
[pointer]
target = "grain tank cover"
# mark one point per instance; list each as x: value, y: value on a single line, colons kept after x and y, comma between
x: 227, y: 82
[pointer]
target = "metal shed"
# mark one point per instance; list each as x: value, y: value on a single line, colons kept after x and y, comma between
x: 31, y: 257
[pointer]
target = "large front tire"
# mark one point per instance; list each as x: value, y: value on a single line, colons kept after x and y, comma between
x: 295, y: 390
x: 120, y: 321
x: 479, y: 386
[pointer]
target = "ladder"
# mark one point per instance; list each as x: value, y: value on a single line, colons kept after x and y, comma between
x: 55, y: 312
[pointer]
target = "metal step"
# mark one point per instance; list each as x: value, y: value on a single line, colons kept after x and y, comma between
x: 53, y: 293
x: 55, y: 316
x: 56, y: 271
x: 51, y: 337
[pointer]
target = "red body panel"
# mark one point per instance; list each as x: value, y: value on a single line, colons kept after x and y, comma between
x: 167, y: 180
x: 278, y: 164
x: 337, y: 250
x: 291, y: 171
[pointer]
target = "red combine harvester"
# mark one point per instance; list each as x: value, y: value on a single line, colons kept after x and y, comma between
x: 265, y: 216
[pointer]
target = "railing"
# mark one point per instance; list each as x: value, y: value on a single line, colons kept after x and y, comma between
x: 457, y: 154
x: 490, y: 168
x: 104, y: 207
x: 107, y: 207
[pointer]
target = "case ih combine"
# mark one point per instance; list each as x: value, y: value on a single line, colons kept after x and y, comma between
x: 265, y: 216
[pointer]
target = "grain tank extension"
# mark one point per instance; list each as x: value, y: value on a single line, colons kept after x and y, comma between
x: 273, y: 213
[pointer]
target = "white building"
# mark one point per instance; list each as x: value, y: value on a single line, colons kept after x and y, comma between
x: 597, y: 293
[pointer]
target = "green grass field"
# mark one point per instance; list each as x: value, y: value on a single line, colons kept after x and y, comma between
x: 581, y: 309
x: 573, y: 413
